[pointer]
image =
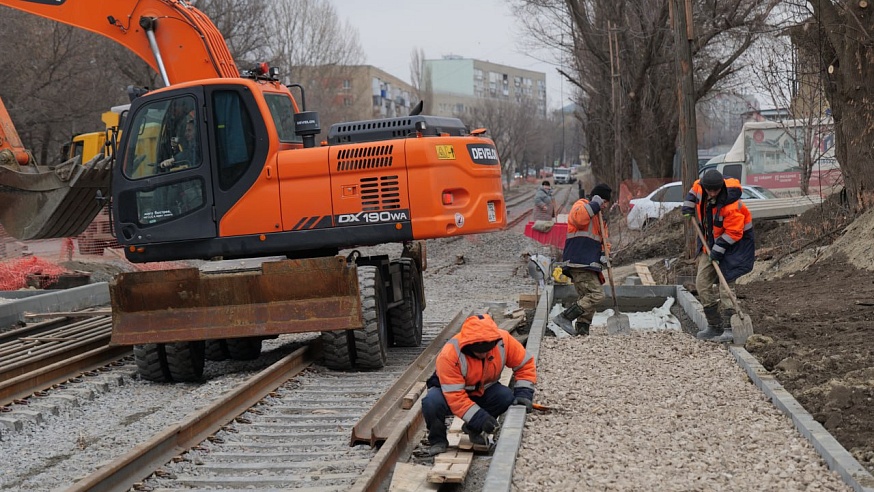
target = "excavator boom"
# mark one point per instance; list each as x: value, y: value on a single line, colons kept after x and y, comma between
x: 175, y: 39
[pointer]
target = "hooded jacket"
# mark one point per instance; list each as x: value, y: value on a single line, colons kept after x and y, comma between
x: 462, y: 376
x: 727, y: 226
x: 582, y: 247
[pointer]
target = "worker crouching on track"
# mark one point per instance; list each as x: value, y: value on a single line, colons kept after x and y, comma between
x: 584, y: 261
x: 727, y: 225
x: 466, y: 382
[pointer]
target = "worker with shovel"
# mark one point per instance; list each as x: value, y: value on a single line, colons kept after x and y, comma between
x: 466, y: 382
x: 584, y: 258
x: 713, y: 203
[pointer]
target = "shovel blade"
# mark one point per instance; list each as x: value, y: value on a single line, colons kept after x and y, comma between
x: 618, y: 324
x: 741, y: 328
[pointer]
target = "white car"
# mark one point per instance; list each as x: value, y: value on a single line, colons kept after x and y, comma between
x: 667, y: 197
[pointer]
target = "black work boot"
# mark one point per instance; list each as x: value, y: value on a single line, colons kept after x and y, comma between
x: 714, y: 324
x: 727, y: 336
x: 565, y: 319
x: 582, y: 328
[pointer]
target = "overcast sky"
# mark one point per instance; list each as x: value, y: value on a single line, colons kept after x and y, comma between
x: 389, y: 31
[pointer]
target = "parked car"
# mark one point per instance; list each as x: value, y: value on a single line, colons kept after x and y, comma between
x: 667, y: 197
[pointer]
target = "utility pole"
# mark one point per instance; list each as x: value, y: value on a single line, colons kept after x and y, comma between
x: 615, y: 101
x: 682, y: 22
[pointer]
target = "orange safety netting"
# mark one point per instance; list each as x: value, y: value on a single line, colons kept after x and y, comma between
x: 14, y: 274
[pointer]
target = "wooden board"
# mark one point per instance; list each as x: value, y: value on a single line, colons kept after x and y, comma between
x: 450, y: 467
x: 413, y: 395
x: 644, y: 274
x: 409, y: 477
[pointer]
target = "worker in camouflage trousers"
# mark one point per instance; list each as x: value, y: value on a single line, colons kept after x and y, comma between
x: 584, y: 260
x: 466, y: 382
x: 726, y: 223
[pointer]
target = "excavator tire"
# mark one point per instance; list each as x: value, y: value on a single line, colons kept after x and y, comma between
x: 152, y: 362
x: 216, y: 350
x: 405, y: 320
x: 185, y: 360
x: 371, y: 342
x: 337, y: 349
x: 248, y: 348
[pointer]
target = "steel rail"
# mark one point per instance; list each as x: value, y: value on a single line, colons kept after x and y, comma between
x: 46, y: 376
x: 122, y: 473
x: 386, y: 414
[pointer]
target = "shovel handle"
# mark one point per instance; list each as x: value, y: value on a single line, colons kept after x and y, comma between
x: 716, y: 266
x: 609, y: 263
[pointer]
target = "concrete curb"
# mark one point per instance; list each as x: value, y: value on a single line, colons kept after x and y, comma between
x: 500, y: 475
x: 91, y: 295
x: 836, y: 457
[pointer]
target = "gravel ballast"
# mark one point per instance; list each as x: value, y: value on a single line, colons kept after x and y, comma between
x: 658, y: 411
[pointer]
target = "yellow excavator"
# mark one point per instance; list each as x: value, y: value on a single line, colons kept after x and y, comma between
x: 222, y: 166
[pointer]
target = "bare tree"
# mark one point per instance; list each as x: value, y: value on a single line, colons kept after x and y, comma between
x: 517, y: 135
x: 421, y: 80
x: 580, y: 30
x: 837, y: 35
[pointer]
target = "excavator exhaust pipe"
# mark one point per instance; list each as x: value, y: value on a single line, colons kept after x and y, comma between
x: 288, y: 296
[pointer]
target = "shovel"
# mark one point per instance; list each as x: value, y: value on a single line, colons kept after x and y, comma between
x: 617, y: 323
x: 741, y: 324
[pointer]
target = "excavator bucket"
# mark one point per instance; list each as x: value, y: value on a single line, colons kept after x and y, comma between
x: 187, y: 304
x: 41, y: 202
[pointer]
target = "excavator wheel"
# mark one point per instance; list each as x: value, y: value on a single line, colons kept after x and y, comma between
x: 185, y: 360
x: 216, y: 350
x: 371, y: 342
x: 405, y: 320
x: 152, y: 362
x: 337, y: 349
x: 248, y: 348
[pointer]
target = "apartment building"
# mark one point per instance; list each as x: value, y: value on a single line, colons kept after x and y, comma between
x: 458, y: 84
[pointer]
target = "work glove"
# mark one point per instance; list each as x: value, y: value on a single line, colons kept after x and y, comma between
x: 483, y: 421
x: 167, y: 163
x: 603, y: 260
x: 524, y: 396
x: 687, y: 212
x: 597, y: 199
x: 529, y: 405
x: 715, y: 257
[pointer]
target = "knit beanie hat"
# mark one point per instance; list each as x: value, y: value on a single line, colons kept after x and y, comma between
x: 603, y: 191
x: 712, y: 180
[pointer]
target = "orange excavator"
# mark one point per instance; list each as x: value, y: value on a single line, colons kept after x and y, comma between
x: 223, y: 166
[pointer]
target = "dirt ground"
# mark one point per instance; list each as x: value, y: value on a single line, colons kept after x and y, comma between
x: 811, y: 300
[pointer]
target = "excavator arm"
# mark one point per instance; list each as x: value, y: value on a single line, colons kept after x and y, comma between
x: 174, y: 38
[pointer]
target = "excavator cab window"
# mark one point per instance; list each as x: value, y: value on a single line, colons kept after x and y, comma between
x: 282, y: 111
x: 162, y: 134
x: 234, y: 137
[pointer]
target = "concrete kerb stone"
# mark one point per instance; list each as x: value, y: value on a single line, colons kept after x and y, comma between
x: 500, y: 473
x: 86, y: 296
x: 836, y: 456
x: 499, y: 477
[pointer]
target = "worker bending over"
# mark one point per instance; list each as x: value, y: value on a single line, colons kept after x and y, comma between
x: 584, y: 259
x: 466, y: 382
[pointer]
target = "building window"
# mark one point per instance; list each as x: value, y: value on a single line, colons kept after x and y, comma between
x: 347, y: 101
x: 347, y: 84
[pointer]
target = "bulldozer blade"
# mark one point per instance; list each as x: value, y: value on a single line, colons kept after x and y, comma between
x: 741, y: 327
x: 39, y: 202
x: 185, y: 304
x: 618, y: 324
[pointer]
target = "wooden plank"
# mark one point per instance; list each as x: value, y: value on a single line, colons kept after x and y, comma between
x: 644, y: 274
x: 409, y: 477
x: 450, y: 467
x: 413, y: 395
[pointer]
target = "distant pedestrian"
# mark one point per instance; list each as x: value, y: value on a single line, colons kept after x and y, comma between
x: 544, y: 203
